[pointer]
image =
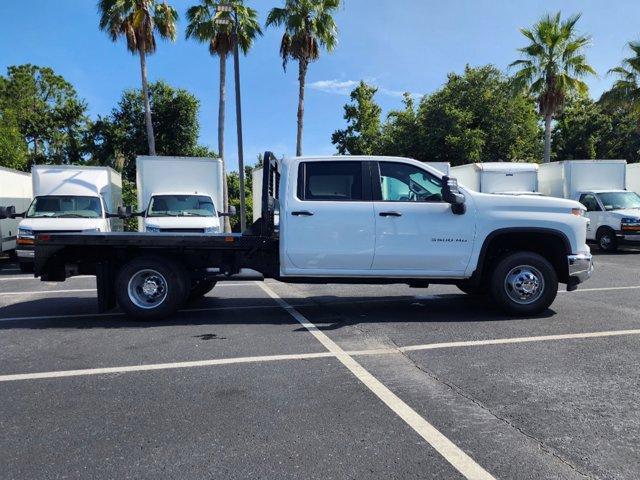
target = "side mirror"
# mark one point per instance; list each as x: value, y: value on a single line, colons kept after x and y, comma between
x: 124, y: 212
x: 451, y: 194
x: 9, y: 212
x: 230, y: 213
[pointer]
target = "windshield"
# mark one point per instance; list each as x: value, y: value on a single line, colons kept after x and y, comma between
x: 181, y: 206
x: 65, y: 206
x: 619, y: 200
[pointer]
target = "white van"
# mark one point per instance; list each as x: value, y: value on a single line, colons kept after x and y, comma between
x: 614, y: 212
x: 69, y: 198
x: 180, y: 194
x: 512, y: 178
x: 15, y: 190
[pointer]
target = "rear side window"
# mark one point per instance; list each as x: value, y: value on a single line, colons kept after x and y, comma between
x: 330, y: 181
x: 590, y: 202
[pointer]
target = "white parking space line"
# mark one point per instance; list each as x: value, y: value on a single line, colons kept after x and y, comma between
x: 445, y: 447
x: 161, y: 366
x: 505, y: 341
x: 48, y: 292
x: 601, y: 289
x: 31, y: 277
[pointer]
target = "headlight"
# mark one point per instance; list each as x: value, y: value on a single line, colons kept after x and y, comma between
x: 152, y: 228
x: 89, y: 230
x: 631, y: 221
x: 578, y: 212
x: 25, y: 232
x: 210, y: 230
x: 630, y: 224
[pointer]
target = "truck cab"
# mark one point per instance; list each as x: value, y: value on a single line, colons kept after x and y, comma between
x: 181, y: 212
x: 614, y: 217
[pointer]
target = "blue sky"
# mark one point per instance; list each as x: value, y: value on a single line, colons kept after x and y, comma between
x: 398, y: 45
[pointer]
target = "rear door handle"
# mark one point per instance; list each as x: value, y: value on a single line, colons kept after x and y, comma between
x: 302, y: 213
x: 390, y: 214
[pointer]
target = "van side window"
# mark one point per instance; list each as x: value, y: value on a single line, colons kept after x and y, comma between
x: 401, y: 182
x: 330, y: 181
x: 590, y: 202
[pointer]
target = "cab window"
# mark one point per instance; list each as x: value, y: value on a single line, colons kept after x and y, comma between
x: 330, y: 181
x: 400, y: 182
x: 590, y: 202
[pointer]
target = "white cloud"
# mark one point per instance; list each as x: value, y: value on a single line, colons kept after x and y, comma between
x: 344, y: 87
x: 334, y: 86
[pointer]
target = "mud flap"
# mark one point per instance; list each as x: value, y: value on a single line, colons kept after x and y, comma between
x: 105, y: 278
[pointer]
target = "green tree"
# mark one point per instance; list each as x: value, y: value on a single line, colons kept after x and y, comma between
x: 205, y: 27
x: 49, y: 115
x: 626, y: 89
x: 580, y: 129
x: 553, y: 66
x: 400, y: 132
x: 13, y: 148
x: 138, y: 21
x: 363, y: 133
x: 233, y: 182
x: 308, y: 26
x: 476, y: 117
x: 117, y: 139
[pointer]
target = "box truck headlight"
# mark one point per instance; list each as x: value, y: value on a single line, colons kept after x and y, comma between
x: 153, y: 228
x: 630, y: 224
x: 25, y: 236
x: 89, y: 230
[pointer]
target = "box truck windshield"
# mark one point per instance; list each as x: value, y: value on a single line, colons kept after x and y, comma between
x: 181, y: 206
x: 65, y: 206
x: 619, y: 200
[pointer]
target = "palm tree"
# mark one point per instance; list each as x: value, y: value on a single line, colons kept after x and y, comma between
x: 137, y: 21
x: 626, y: 90
x: 553, y: 66
x: 308, y: 26
x: 204, y: 26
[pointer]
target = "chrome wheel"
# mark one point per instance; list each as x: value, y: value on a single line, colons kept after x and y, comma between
x: 147, y: 289
x: 605, y: 241
x: 524, y: 284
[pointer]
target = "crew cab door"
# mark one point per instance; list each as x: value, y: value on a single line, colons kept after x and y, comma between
x: 595, y: 213
x: 329, y: 226
x: 416, y: 231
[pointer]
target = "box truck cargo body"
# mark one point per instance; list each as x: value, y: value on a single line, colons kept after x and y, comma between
x: 69, y: 198
x: 633, y: 177
x: 499, y: 177
x: 180, y: 194
x: 15, y: 190
x: 600, y: 185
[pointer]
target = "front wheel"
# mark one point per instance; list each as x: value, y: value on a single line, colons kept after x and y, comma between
x: 151, y: 288
x: 607, y: 240
x: 524, y: 283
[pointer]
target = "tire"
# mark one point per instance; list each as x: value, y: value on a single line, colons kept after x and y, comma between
x: 607, y: 240
x: 470, y: 289
x: 514, y: 281
x: 168, y: 287
x: 26, y: 267
x: 200, y: 289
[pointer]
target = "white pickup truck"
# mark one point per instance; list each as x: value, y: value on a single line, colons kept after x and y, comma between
x: 346, y: 220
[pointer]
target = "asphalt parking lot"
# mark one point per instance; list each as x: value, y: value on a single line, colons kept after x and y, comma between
x: 321, y: 381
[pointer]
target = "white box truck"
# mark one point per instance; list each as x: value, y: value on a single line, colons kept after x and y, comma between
x: 68, y: 199
x: 16, y: 190
x: 633, y: 177
x: 614, y: 212
x: 180, y: 194
x: 512, y: 178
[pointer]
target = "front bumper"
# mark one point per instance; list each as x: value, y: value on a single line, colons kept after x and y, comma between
x: 627, y: 237
x: 580, y: 268
x: 25, y: 254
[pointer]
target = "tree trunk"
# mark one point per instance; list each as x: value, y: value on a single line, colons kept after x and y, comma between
x: 221, y: 114
x: 547, y: 137
x: 147, y: 106
x: 302, y: 75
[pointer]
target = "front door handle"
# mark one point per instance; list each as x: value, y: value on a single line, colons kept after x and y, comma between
x: 302, y: 213
x: 390, y: 214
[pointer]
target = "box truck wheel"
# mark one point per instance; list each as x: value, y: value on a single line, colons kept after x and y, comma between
x: 607, y: 241
x: 151, y: 288
x: 524, y: 283
x: 200, y: 289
